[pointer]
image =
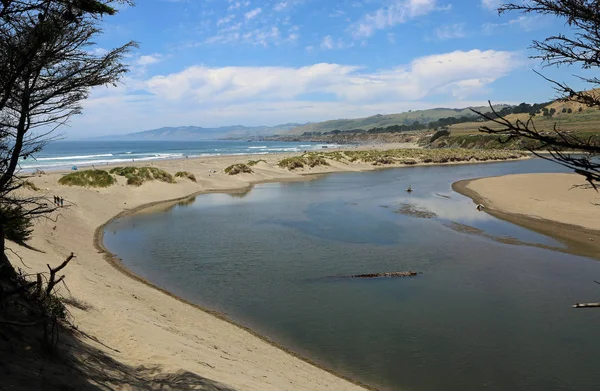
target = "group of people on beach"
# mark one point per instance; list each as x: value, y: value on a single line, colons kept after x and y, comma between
x: 59, y: 201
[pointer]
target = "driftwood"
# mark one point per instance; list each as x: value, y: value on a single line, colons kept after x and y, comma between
x: 386, y: 274
x: 586, y: 305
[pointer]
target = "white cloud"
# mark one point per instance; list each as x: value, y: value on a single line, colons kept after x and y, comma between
x: 524, y: 22
x: 149, y: 59
x: 450, y: 31
x: 233, y: 5
x: 225, y: 20
x: 253, y: 13
x: 492, y: 4
x: 252, y: 95
x: 281, y: 6
x: 98, y: 51
x: 327, y: 42
x: 399, y: 11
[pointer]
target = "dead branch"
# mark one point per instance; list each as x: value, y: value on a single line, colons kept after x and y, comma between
x: 52, y: 282
x: 18, y: 256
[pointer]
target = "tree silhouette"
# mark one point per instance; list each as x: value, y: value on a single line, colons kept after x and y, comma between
x: 46, y: 71
x: 582, y: 48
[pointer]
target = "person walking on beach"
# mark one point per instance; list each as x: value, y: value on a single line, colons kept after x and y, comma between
x: 62, y: 202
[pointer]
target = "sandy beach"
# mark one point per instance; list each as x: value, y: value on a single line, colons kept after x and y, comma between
x: 559, y: 205
x: 137, y: 325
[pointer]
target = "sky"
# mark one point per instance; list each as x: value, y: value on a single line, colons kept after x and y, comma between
x: 266, y: 62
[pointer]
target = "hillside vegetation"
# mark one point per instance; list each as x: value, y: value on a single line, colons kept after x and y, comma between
x: 380, y: 120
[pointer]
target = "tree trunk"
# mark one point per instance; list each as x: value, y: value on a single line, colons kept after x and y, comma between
x: 6, y: 269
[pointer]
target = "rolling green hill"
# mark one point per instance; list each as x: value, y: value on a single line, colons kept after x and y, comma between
x: 383, y: 120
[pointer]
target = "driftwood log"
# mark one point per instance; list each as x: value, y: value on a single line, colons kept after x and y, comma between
x: 586, y: 305
x: 386, y: 274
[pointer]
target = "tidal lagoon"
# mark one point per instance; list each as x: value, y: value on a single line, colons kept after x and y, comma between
x: 491, y: 309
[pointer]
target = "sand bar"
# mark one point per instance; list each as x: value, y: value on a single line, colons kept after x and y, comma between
x: 139, y: 326
x: 559, y: 205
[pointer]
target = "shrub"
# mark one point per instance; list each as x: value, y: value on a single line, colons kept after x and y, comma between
x: 239, y: 168
x: 309, y: 159
x: 17, y: 226
x: 255, y: 162
x: 314, y: 160
x: 88, y: 178
x: 185, y: 174
x: 136, y: 176
x: 438, y: 134
x: 291, y: 163
x: 381, y: 160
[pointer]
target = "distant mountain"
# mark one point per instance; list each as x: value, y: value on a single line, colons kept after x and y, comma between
x: 384, y: 120
x: 193, y: 133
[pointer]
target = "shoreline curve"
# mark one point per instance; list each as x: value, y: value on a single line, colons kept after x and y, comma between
x: 115, y: 262
x: 578, y: 240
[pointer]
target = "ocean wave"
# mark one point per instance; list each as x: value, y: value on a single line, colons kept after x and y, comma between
x: 281, y: 149
x: 67, y: 163
x: 261, y: 147
x: 74, y: 157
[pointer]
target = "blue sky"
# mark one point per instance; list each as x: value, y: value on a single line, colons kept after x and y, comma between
x: 224, y: 62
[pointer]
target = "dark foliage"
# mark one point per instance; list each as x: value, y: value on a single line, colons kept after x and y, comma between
x: 581, y: 47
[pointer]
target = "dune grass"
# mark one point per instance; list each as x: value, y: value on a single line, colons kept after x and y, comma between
x: 136, y: 176
x: 239, y: 168
x: 310, y: 159
x: 88, y: 178
x: 30, y: 185
x: 185, y: 174
x: 400, y: 156
x: 255, y: 162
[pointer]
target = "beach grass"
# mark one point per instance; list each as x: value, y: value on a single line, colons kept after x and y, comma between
x: 239, y: 168
x: 30, y: 185
x: 88, y: 178
x: 255, y: 162
x: 311, y: 159
x: 291, y: 163
x: 405, y: 156
x: 136, y: 176
x: 185, y: 174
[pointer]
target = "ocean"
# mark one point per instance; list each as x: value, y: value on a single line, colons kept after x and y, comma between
x: 66, y: 154
x: 490, y: 311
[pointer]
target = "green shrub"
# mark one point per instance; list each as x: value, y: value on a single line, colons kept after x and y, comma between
x: 314, y: 160
x: 291, y: 163
x: 239, y: 168
x: 310, y: 159
x: 88, y: 178
x: 17, y: 226
x: 438, y: 134
x: 185, y: 174
x: 136, y: 176
x: 255, y: 162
